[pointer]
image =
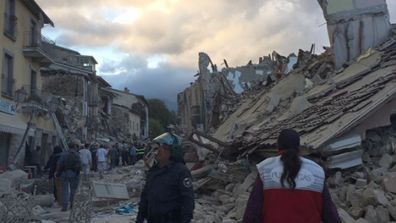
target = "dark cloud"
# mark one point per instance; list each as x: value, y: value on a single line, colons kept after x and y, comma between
x: 163, y: 82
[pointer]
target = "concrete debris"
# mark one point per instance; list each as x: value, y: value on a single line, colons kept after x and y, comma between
x: 390, y: 182
x: 386, y: 160
x: 345, y: 217
x: 110, y: 190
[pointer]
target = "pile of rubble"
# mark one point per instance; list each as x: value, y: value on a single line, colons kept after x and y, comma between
x: 222, y: 191
x: 31, y: 200
x: 368, y: 193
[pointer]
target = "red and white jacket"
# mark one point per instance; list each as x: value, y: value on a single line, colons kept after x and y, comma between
x: 309, y: 202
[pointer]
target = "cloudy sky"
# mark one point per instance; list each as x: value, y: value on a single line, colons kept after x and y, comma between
x: 152, y: 46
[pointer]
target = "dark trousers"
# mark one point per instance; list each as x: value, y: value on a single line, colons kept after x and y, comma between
x: 69, y: 188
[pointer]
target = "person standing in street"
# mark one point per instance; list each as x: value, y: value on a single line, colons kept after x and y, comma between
x: 132, y: 154
x: 118, y: 154
x: 124, y: 155
x: 68, y: 169
x: 140, y: 150
x: 93, y: 150
x: 290, y: 188
x: 51, y: 165
x: 102, y: 163
x: 113, y: 156
x: 86, y: 160
x: 168, y: 195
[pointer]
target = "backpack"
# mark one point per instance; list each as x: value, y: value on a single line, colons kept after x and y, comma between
x: 72, y: 162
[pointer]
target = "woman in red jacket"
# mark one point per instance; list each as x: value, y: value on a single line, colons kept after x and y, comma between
x: 290, y: 188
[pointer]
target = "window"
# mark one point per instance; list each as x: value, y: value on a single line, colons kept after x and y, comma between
x: 10, y: 18
x: 33, y: 81
x: 7, y: 80
x: 33, y: 34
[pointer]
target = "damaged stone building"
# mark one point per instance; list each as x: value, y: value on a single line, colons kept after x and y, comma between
x: 129, y: 115
x: 89, y: 109
x: 342, y: 102
x: 354, y: 26
x: 72, y: 77
x: 214, y: 95
x: 25, y: 126
x: 332, y: 102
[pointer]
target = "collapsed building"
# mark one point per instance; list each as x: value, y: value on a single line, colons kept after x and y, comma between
x: 342, y: 102
x: 331, y: 106
x: 72, y: 77
x: 214, y: 95
x: 88, y: 108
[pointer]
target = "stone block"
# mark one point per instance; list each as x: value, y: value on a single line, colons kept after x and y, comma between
x: 240, y: 205
x: 248, y: 182
x: 368, y: 197
x: 16, y: 177
x: 5, y: 186
x: 226, y: 199
x: 345, y: 217
x: 371, y: 214
x: 377, y: 175
x: 38, y: 210
x: 110, y: 190
x: 390, y: 182
x: 380, y: 197
x: 356, y: 212
x: 354, y: 196
x: 46, y: 200
x: 382, y: 214
x: 385, y: 161
x: 361, y: 220
x: 392, y: 211
x: 393, y: 169
x: 361, y: 183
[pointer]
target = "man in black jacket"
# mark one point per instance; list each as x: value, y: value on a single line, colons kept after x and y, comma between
x: 168, y: 195
x: 51, y: 165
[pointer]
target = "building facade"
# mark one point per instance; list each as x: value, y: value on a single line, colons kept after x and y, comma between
x: 129, y: 115
x: 25, y: 125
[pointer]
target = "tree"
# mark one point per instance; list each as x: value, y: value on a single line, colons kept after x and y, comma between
x: 155, y: 128
x: 160, y: 112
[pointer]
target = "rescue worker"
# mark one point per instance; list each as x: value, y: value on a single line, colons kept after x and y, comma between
x: 290, y: 188
x: 140, y: 151
x: 168, y: 195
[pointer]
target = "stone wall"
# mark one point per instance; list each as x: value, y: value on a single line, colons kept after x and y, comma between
x: 120, y: 123
x: 64, y: 85
x: 354, y: 26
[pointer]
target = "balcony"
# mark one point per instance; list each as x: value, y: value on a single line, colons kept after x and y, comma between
x: 32, y: 48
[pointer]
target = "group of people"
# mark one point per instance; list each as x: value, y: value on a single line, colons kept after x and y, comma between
x: 288, y: 188
x: 104, y: 157
x: 65, y: 167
